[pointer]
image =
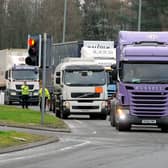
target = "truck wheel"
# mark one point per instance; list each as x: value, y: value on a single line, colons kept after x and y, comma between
x: 64, y: 116
x: 54, y: 109
x: 103, y: 116
x: 57, y: 113
x: 112, y: 114
x: 164, y: 128
x: 122, y: 127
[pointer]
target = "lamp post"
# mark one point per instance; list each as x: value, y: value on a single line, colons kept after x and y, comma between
x: 64, y: 23
x: 139, y: 15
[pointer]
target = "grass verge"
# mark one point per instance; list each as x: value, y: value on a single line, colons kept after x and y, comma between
x: 13, y: 138
x: 27, y: 117
x: 13, y: 116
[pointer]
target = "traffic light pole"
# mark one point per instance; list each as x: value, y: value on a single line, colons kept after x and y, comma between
x: 43, y: 77
x: 40, y: 45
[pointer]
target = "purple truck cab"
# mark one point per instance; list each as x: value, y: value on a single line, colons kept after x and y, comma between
x: 142, y: 80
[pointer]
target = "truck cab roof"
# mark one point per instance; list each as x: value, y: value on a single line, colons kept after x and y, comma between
x: 24, y: 66
x: 131, y: 37
x: 78, y: 63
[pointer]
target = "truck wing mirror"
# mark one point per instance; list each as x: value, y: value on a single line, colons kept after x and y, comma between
x: 114, y: 74
x: 57, y: 80
x: 113, y: 66
x: 6, y: 75
x: 58, y: 73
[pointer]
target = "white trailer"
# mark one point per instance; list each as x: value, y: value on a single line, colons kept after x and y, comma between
x: 9, y: 57
x: 80, y: 88
x: 103, y: 53
x: 13, y: 72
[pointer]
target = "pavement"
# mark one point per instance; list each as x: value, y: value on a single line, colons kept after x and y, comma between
x: 50, y: 139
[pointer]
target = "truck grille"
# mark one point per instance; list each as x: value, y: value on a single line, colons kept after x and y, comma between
x: 85, y: 95
x: 110, y: 93
x: 19, y: 87
x: 151, y: 104
x: 85, y: 107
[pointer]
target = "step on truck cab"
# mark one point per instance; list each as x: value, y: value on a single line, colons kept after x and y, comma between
x: 142, y: 80
x: 80, y: 87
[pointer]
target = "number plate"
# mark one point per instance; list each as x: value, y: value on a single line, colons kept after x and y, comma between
x: 148, y: 121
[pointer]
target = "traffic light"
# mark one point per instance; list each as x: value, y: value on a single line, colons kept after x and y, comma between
x: 33, y: 50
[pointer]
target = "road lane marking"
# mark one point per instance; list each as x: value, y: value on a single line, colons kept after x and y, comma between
x: 45, y: 153
x: 80, y: 122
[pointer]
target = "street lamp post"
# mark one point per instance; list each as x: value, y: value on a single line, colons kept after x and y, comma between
x: 139, y: 15
x: 64, y: 23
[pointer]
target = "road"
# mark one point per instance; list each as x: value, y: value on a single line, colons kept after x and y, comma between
x: 95, y: 144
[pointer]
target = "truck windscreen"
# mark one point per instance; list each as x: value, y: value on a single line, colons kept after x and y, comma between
x: 84, y: 78
x: 144, y: 73
x: 25, y: 75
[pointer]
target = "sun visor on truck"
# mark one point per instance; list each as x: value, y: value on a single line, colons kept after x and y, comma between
x: 86, y: 67
x: 145, y: 51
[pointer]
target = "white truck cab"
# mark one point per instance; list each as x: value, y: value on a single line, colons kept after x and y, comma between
x: 80, y: 88
x: 15, y: 77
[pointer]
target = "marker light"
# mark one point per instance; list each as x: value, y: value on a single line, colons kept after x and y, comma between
x: 98, y: 89
x: 66, y: 104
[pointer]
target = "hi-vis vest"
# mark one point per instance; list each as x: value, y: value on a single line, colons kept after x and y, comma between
x: 25, y: 90
x: 47, y: 94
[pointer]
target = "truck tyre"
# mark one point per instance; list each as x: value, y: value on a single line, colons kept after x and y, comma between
x: 58, y: 114
x: 103, y: 116
x: 164, y: 128
x: 63, y: 115
x: 122, y: 127
x: 53, y: 107
x: 112, y: 114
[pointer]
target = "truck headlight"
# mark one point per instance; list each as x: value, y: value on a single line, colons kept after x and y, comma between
x: 104, y: 104
x: 35, y: 93
x: 66, y: 104
x: 122, y: 113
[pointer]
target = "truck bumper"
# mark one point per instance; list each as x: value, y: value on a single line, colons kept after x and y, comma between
x: 97, y: 107
x: 147, y: 121
x: 32, y: 99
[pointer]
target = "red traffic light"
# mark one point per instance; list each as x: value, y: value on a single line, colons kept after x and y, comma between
x: 31, y: 42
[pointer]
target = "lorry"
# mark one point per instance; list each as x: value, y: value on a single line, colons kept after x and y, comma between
x: 142, y: 80
x: 103, y: 53
x: 13, y: 72
x: 65, y: 49
x: 80, y: 87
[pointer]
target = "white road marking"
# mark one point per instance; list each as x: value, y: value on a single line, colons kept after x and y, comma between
x: 43, y: 154
x: 80, y: 122
x: 71, y: 125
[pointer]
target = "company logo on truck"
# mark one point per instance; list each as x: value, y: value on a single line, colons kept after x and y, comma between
x: 99, y: 44
x: 149, y: 88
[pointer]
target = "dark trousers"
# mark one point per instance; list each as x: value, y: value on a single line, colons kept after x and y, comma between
x: 25, y: 101
x: 44, y: 103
